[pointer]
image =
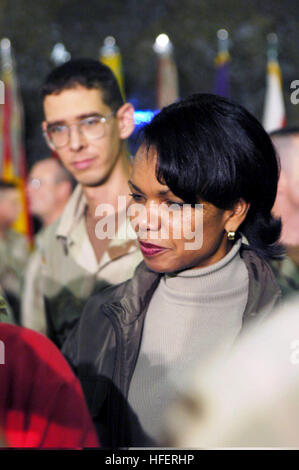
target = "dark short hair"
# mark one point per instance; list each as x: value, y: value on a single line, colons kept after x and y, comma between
x: 88, y: 73
x: 4, y: 185
x: 211, y: 149
x: 285, y: 132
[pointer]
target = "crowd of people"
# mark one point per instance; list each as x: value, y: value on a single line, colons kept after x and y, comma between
x: 145, y: 270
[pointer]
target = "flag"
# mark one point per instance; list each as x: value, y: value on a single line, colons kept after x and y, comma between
x: 274, y: 116
x: 12, y: 151
x: 167, y: 77
x: 221, y: 82
x: 110, y: 55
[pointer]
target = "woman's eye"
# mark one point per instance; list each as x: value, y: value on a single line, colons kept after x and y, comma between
x: 136, y: 197
x: 175, y: 205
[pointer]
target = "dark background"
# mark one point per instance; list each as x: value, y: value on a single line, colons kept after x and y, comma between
x: 35, y: 26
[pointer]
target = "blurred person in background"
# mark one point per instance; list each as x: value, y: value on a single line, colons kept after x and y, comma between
x: 203, y: 183
x: 49, y: 188
x: 87, y: 123
x: 286, y: 142
x: 6, y: 314
x: 14, y: 247
x: 41, y: 401
x: 247, y: 399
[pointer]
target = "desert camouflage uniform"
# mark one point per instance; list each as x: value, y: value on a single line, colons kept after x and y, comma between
x: 14, y: 253
x: 70, y: 270
x: 287, y: 275
x: 6, y: 315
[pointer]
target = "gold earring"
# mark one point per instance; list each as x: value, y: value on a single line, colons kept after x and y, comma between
x: 231, y: 235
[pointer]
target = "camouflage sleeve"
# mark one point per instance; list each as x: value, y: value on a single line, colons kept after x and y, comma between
x: 6, y: 315
x: 287, y: 276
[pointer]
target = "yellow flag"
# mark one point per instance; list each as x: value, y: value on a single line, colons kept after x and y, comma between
x: 110, y: 55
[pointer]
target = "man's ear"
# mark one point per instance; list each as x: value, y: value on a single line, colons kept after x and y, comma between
x: 126, y: 123
x: 237, y: 215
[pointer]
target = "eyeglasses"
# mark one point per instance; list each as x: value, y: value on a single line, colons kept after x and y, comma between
x: 92, y: 128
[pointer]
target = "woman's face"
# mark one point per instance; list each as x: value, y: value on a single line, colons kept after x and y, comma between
x: 180, y: 238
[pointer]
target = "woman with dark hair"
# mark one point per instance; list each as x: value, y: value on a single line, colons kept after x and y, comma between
x: 203, y: 184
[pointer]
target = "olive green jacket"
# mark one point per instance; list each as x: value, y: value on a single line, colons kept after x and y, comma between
x: 103, y: 346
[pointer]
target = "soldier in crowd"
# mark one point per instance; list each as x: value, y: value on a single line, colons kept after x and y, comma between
x: 6, y: 315
x: 87, y: 123
x: 14, y: 247
x: 286, y: 142
x: 49, y: 188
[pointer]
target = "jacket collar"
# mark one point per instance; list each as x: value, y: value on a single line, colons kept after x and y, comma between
x: 263, y: 290
x: 139, y: 292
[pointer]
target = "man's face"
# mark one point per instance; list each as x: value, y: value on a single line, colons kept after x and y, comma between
x: 293, y: 180
x: 10, y: 206
x: 89, y: 161
x: 288, y: 186
x: 42, y: 188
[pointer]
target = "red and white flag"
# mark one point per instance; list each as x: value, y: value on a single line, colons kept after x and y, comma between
x: 274, y: 109
x: 167, y: 76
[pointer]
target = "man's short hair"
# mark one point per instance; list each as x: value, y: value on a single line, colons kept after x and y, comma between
x: 7, y: 185
x: 88, y: 73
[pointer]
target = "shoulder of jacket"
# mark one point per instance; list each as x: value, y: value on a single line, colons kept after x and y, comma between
x: 112, y: 295
x: 257, y: 266
x: 264, y: 293
x: 47, y: 236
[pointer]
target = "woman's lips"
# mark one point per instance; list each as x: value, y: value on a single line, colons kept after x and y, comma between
x: 83, y: 164
x: 148, y: 249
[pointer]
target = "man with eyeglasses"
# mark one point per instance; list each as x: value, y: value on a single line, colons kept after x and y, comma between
x: 86, y: 123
